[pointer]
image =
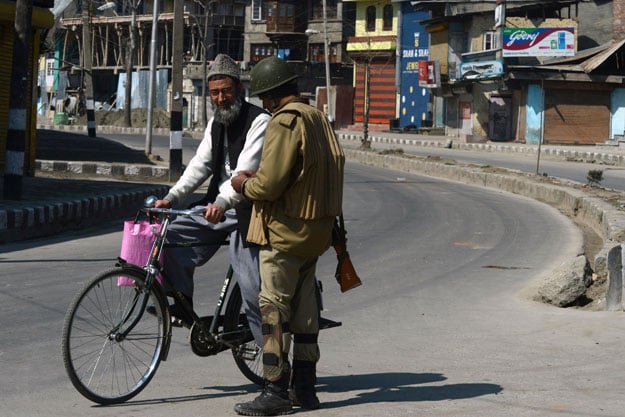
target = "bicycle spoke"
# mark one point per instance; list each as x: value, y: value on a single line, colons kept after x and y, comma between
x: 103, y: 365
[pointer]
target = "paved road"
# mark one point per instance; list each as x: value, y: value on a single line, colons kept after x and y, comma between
x: 614, y: 176
x: 441, y: 326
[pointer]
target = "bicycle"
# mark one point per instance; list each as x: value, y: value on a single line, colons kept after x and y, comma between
x: 112, y: 349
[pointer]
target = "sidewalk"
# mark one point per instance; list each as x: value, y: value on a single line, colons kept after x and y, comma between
x: 609, y: 154
x: 82, y: 181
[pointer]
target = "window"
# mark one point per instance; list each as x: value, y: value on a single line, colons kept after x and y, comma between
x: 316, y: 53
x: 50, y: 67
x: 259, y: 9
x: 286, y: 10
x: 316, y: 10
x: 489, y: 40
x: 260, y: 51
x: 370, y: 16
x: 387, y: 16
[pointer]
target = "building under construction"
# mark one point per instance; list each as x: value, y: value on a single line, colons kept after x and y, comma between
x: 107, y: 40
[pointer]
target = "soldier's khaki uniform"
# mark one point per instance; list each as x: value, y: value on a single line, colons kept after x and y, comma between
x: 297, y: 194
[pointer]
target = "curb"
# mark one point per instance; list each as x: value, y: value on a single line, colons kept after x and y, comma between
x: 556, y: 152
x: 104, y: 129
x: 51, y: 218
x: 105, y: 169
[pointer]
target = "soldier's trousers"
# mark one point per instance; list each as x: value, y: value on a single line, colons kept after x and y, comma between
x: 289, y: 302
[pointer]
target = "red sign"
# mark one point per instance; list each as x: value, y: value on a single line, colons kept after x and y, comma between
x: 429, y: 74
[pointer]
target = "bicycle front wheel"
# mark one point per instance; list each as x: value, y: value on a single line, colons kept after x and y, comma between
x: 104, y: 365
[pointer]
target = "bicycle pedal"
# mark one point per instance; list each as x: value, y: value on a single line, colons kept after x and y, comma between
x: 176, y: 322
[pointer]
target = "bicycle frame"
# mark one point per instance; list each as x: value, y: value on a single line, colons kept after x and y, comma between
x: 153, y: 267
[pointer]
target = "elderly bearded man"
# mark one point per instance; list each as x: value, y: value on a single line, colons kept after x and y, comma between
x: 232, y: 142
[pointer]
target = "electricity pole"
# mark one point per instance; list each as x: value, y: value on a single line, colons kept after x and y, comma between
x: 151, y: 87
x: 326, y: 48
x: 175, y: 135
x: 86, y: 65
x: 130, y: 53
x: 18, y: 101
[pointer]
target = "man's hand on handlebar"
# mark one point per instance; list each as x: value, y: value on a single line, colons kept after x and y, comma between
x: 214, y: 213
x: 162, y: 204
x: 159, y: 204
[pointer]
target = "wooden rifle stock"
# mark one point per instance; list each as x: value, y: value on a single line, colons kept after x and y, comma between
x: 345, y: 273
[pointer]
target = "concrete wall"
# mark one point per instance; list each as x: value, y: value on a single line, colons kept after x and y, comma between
x: 599, y: 21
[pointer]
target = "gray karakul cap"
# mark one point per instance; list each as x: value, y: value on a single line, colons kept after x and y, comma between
x: 224, y: 65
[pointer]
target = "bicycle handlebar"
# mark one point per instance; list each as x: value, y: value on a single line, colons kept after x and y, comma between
x: 170, y: 211
x: 151, y: 200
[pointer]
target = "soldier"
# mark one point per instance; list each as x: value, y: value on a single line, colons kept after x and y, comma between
x: 297, y: 193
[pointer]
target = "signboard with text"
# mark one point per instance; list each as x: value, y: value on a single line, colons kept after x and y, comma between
x: 518, y: 42
x: 482, y: 69
x: 429, y: 74
x: 414, y: 100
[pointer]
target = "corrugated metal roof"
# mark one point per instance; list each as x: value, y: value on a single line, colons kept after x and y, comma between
x: 584, y: 61
x: 592, y: 63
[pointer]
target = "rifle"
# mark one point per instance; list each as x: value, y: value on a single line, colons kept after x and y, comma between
x: 345, y: 273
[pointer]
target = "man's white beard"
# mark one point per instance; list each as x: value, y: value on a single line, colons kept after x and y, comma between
x: 228, y: 115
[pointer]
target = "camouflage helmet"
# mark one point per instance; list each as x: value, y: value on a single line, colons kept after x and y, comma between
x: 270, y: 73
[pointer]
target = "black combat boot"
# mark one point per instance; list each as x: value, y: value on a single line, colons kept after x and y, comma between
x: 273, y: 401
x: 303, y: 380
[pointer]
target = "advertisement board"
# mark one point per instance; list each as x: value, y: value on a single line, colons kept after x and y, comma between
x: 414, y: 100
x: 429, y: 74
x: 482, y: 69
x: 518, y: 42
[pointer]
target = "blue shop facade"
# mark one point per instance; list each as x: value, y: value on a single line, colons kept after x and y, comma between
x: 414, y: 99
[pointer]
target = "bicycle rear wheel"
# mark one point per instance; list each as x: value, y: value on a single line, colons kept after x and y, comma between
x: 104, y: 366
x: 248, y: 356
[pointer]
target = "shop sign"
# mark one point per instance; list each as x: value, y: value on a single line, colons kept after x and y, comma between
x: 483, y: 69
x: 517, y: 42
x: 429, y: 74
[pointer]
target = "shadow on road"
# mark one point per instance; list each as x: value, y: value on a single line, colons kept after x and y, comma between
x: 398, y: 387
x: 68, y: 146
x: 369, y: 389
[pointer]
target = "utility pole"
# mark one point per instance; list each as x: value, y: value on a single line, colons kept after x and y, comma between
x: 18, y: 101
x: 148, y: 135
x: 175, y: 135
x: 365, y: 143
x: 326, y: 48
x: 130, y: 54
x: 203, y: 118
x: 86, y: 65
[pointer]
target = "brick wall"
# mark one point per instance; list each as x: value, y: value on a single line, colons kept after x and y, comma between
x: 618, y: 7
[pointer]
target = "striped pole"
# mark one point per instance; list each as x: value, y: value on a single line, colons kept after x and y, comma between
x: 175, y: 145
x: 90, y: 115
x: 87, y: 58
x: 175, y: 138
x: 18, y: 102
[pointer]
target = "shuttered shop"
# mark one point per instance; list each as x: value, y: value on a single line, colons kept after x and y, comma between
x: 381, y: 93
x: 577, y: 114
